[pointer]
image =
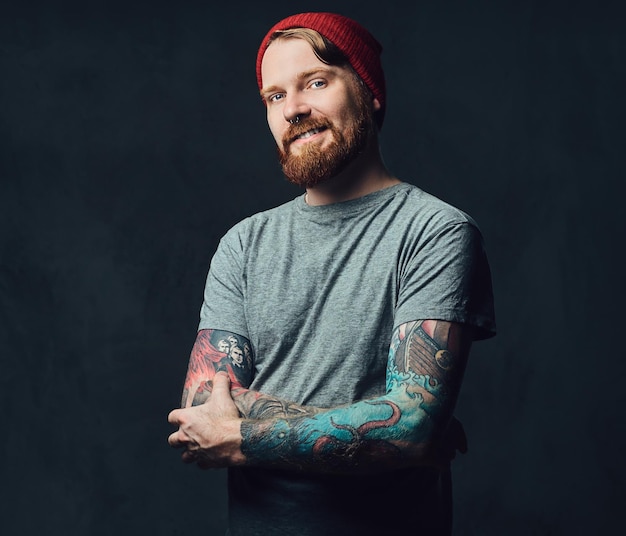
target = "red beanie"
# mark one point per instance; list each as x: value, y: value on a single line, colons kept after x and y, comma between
x: 357, y: 44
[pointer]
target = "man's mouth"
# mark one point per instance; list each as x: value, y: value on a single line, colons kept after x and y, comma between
x: 309, y: 133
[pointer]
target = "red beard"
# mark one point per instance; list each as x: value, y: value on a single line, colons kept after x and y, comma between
x: 314, y: 164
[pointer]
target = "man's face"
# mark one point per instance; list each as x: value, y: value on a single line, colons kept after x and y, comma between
x: 223, y: 346
x: 236, y: 354
x: 336, y: 114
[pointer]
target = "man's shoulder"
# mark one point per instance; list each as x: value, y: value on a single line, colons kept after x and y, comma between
x: 251, y: 224
x: 427, y: 209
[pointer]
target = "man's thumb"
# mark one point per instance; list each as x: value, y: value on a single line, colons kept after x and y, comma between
x: 221, y: 384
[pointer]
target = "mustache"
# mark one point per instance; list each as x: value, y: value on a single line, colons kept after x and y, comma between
x: 304, y: 125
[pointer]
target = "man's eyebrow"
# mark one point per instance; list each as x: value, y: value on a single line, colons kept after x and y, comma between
x: 317, y: 71
x: 300, y: 76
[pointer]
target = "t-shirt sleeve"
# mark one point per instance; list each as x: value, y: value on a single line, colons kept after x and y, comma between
x: 448, y: 278
x: 223, y: 303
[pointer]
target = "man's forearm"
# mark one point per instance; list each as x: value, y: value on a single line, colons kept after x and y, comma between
x: 403, y: 427
x: 231, y: 353
x: 394, y: 430
x: 206, y: 360
x: 259, y: 406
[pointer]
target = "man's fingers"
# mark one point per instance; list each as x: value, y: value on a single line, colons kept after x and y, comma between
x: 188, y: 456
x: 172, y: 418
x: 457, y: 435
x: 221, y: 385
x: 177, y: 439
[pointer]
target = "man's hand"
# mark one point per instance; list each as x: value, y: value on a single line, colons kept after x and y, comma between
x: 452, y: 441
x: 209, y: 433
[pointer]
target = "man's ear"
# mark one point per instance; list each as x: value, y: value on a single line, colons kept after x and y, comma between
x: 376, y: 104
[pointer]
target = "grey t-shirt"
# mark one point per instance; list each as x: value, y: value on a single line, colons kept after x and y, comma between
x: 318, y: 292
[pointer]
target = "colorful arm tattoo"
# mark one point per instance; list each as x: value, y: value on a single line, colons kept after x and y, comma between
x: 216, y: 351
x: 425, y: 367
x: 259, y: 406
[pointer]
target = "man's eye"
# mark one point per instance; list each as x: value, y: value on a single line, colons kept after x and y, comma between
x: 275, y: 97
x: 317, y: 84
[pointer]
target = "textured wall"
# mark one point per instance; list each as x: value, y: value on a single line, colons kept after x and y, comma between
x: 132, y: 137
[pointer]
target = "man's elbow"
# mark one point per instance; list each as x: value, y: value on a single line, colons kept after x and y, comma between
x: 436, y: 442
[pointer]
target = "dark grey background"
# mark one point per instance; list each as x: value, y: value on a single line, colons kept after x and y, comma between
x: 132, y: 137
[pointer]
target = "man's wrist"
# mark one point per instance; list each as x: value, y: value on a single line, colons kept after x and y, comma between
x: 234, y: 438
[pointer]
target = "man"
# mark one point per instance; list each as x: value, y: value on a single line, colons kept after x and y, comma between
x: 236, y: 356
x: 223, y: 346
x: 359, y: 301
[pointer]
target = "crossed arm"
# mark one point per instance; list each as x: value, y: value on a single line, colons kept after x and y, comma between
x: 222, y: 423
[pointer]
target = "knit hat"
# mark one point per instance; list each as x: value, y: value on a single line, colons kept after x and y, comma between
x: 359, y: 46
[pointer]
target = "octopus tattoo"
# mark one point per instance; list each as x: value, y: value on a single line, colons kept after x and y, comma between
x: 358, y: 446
